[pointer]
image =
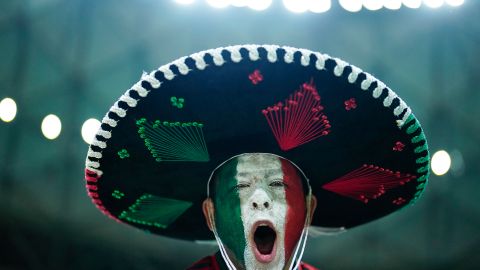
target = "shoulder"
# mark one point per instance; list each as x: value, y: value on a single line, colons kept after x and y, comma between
x: 207, y: 263
x: 306, y: 266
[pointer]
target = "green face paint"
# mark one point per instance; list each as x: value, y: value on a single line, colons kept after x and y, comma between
x: 228, y: 220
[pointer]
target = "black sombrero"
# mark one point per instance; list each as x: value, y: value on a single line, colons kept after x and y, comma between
x: 359, y: 144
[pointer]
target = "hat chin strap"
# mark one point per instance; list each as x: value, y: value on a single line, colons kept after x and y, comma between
x: 294, y: 262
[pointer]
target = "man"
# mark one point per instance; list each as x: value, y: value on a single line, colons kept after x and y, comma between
x: 259, y: 208
x: 363, y: 150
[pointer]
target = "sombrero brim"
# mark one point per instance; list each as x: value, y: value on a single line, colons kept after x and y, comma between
x: 359, y: 144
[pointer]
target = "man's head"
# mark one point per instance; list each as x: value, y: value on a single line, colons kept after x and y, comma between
x: 259, y: 205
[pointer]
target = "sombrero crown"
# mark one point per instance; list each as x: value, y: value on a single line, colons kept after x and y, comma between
x: 359, y: 144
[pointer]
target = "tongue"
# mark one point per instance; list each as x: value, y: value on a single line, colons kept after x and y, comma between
x: 264, y: 239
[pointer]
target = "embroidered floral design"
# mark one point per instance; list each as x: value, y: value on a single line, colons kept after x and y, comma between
x: 117, y: 194
x: 123, y: 154
x: 399, y: 146
x: 177, y: 102
x: 350, y: 104
x: 256, y: 76
x: 399, y: 201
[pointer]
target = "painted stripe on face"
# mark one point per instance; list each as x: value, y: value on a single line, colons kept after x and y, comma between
x: 228, y: 220
x: 263, y: 203
x: 296, y: 209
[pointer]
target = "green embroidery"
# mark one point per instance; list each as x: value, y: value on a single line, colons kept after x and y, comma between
x: 422, y: 159
x: 117, y: 194
x: 177, y: 102
x: 423, y: 169
x: 419, y: 138
x: 421, y: 187
x: 154, y: 211
x: 421, y: 149
x: 174, y: 141
x: 123, y: 153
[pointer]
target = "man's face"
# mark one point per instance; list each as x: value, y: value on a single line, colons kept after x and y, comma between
x: 259, y: 209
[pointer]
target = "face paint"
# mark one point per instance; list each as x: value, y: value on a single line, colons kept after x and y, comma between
x: 227, y: 210
x: 271, y: 209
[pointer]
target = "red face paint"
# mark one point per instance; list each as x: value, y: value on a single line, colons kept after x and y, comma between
x: 296, y: 210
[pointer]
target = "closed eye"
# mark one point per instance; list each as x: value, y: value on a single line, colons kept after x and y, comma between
x: 242, y: 185
x: 278, y: 183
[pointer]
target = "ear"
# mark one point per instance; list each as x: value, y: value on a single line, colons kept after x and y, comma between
x: 208, y: 212
x: 313, y: 206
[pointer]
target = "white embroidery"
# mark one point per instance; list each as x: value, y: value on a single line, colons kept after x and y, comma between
x: 98, y: 143
x: 368, y: 81
x: 94, y: 154
x: 109, y: 121
x: 400, y: 108
x: 105, y: 134
x: 352, y: 78
x: 305, y: 59
x: 139, y: 89
x: 217, y: 56
x: 235, y: 54
x: 131, y: 102
x: 119, y: 111
x: 182, y: 67
x: 271, y: 53
x: 320, y: 63
x: 377, y: 92
x: 289, y: 54
x: 338, y: 70
x: 389, y: 99
x: 167, y: 73
x: 252, y: 52
x: 199, y: 61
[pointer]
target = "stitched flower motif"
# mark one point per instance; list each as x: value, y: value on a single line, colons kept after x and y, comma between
x: 117, y: 194
x: 123, y: 154
x: 350, y: 104
x: 398, y: 146
x: 256, y: 76
x: 177, y: 102
x: 399, y: 201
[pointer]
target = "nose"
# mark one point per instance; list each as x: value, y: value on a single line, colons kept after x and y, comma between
x: 260, y: 200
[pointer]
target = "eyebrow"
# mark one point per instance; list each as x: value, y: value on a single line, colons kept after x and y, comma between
x: 267, y: 174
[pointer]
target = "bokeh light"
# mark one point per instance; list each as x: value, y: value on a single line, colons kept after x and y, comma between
x: 455, y: 3
x: 51, y: 126
x: 393, y: 4
x: 351, y: 5
x: 433, y: 3
x: 412, y: 3
x: 318, y: 6
x: 441, y: 162
x: 218, y: 3
x: 8, y: 109
x: 373, y: 4
x: 185, y: 2
x: 296, y: 6
x: 89, y: 129
x: 259, y: 4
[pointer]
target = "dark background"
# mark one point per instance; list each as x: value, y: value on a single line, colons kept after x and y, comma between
x: 75, y: 58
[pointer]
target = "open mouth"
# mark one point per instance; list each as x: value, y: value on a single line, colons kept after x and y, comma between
x: 264, y: 237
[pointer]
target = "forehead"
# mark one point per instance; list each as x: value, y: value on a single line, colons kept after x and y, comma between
x: 258, y: 165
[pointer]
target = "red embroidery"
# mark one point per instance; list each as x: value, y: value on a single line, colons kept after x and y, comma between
x: 398, y: 146
x: 256, y: 76
x: 299, y: 119
x: 399, y: 201
x: 350, y: 104
x: 91, y: 178
x: 367, y: 182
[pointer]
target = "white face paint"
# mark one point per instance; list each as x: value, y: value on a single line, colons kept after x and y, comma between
x: 263, y: 204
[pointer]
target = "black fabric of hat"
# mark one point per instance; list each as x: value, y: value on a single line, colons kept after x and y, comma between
x: 359, y: 144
